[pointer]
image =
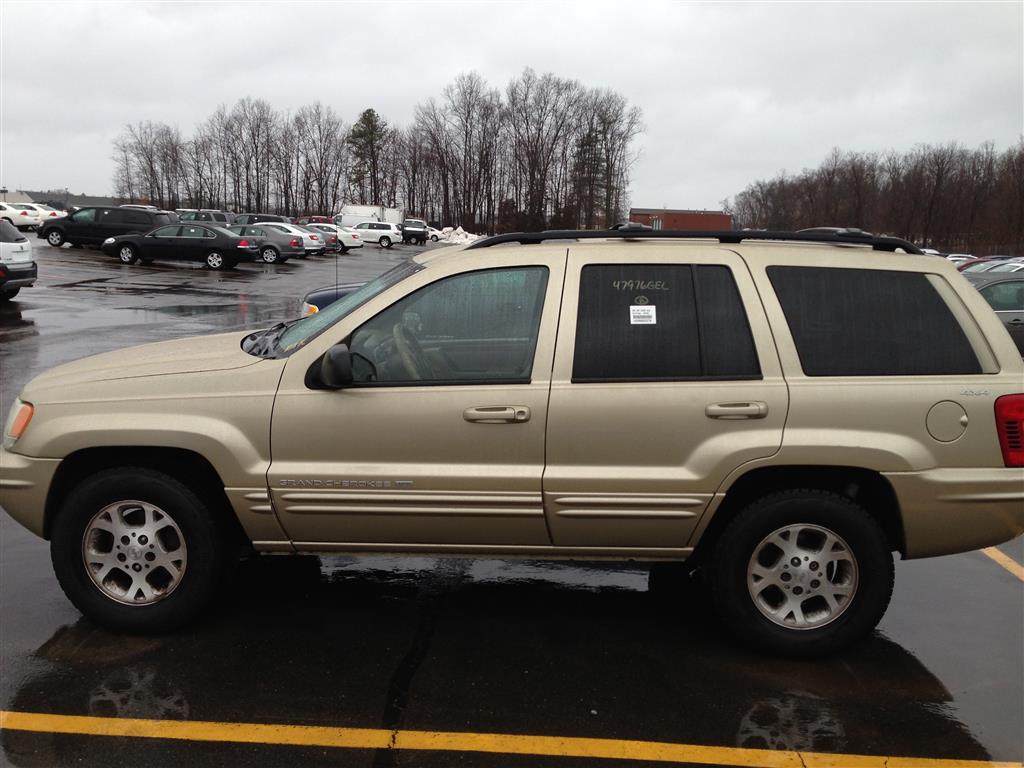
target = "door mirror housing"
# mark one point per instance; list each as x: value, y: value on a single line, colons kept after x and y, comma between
x: 336, y: 367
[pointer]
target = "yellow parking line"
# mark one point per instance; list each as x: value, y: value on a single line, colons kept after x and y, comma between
x: 1006, y: 561
x: 446, y: 741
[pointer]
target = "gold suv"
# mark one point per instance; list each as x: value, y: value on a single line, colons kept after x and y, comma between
x: 782, y: 411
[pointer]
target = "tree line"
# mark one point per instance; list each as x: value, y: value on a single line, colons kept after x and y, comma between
x: 946, y: 196
x: 544, y: 152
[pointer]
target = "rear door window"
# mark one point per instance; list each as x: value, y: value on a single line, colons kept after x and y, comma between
x: 870, y: 322
x: 661, y: 322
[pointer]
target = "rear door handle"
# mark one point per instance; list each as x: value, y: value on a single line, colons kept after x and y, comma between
x: 743, y: 410
x: 497, y: 414
x: 1017, y: 321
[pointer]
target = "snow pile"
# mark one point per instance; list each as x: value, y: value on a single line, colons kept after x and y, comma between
x: 458, y: 236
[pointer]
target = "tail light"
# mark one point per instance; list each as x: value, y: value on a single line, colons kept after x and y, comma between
x: 295, y: 242
x: 355, y: 236
x: 1010, y: 426
x: 24, y: 213
x: 332, y: 239
x: 53, y: 213
x: 313, y: 237
x: 243, y: 243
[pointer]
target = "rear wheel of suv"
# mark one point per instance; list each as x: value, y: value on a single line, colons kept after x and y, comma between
x: 55, y: 238
x: 136, y: 550
x: 802, y: 573
x: 385, y: 242
x: 127, y: 254
x: 270, y: 255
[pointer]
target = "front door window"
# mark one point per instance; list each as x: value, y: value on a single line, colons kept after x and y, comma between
x: 478, y: 327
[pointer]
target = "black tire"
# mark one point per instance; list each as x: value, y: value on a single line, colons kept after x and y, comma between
x: 8, y: 294
x: 216, y: 260
x: 270, y: 255
x: 55, y: 238
x: 385, y: 242
x: 866, y: 543
x: 204, y: 566
x: 342, y: 250
x: 433, y: 238
x: 127, y: 253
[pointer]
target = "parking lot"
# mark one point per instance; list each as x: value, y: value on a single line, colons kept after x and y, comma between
x: 416, y: 661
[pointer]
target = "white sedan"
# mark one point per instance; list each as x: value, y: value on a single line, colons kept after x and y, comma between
x: 46, y: 212
x: 21, y: 215
x: 434, y: 234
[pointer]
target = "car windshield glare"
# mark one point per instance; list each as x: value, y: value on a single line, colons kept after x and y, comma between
x: 313, y: 325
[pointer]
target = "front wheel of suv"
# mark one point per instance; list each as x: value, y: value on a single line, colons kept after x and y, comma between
x: 802, y: 573
x: 135, y: 550
x: 385, y: 242
x: 55, y: 238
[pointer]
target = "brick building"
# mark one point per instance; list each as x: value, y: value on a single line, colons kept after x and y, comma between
x: 670, y: 218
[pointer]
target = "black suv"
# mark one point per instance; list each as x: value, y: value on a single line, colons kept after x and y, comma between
x: 415, y: 231
x: 93, y: 225
x: 256, y: 218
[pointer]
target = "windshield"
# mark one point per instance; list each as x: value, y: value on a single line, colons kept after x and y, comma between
x: 313, y: 325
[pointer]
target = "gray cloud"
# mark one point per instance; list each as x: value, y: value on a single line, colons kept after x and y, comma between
x: 730, y: 92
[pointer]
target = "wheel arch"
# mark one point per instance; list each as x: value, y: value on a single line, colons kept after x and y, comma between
x: 866, y: 487
x: 188, y: 467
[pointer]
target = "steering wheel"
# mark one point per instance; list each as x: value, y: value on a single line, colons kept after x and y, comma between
x: 415, y: 360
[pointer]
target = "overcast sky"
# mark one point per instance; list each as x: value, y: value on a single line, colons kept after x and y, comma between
x: 730, y: 92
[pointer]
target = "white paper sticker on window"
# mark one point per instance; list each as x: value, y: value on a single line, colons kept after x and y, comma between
x: 643, y: 314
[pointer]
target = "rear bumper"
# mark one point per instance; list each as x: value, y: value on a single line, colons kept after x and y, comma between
x: 24, y: 485
x: 11, y: 276
x: 957, y: 510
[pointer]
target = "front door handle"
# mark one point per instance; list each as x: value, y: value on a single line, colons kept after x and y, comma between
x: 497, y: 414
x: 1017, y: 321
x: 742, y: 410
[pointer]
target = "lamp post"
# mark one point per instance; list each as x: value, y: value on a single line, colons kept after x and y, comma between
x: 3, y: 191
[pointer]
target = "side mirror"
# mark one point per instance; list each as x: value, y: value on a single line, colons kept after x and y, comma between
x: 336, y: 367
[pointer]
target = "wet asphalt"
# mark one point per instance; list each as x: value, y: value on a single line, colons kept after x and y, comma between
x: 421, y: 643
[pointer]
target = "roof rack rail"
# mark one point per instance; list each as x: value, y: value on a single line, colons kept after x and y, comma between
x: 890, y: 244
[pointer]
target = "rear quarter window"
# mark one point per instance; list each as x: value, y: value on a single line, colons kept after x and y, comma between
x: 9, y: 233
x: 870, y: 322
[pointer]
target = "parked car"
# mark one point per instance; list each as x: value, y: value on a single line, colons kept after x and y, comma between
x: 20, y: 215
x: 17, y: 267
x: 94, y: 224
x: 434, y: 234
x: 1005, y: 294
x: 975, y: 264
x: 784, y: 415
x: 139, y: 206
x: 212, y: 215
x: 383, y: 233
x: 216, y: 247
x: 312, y: 241
x: 319, y: 298
x: 275, y: 246
x: 415, y: 231
x: 1010, y: 265
x: 343, y: 239
x: 257, y: 218
x: 47, y: 212
x: 306, y: 220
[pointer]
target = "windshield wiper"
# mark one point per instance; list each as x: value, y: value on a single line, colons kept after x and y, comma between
x: 262, y: 343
